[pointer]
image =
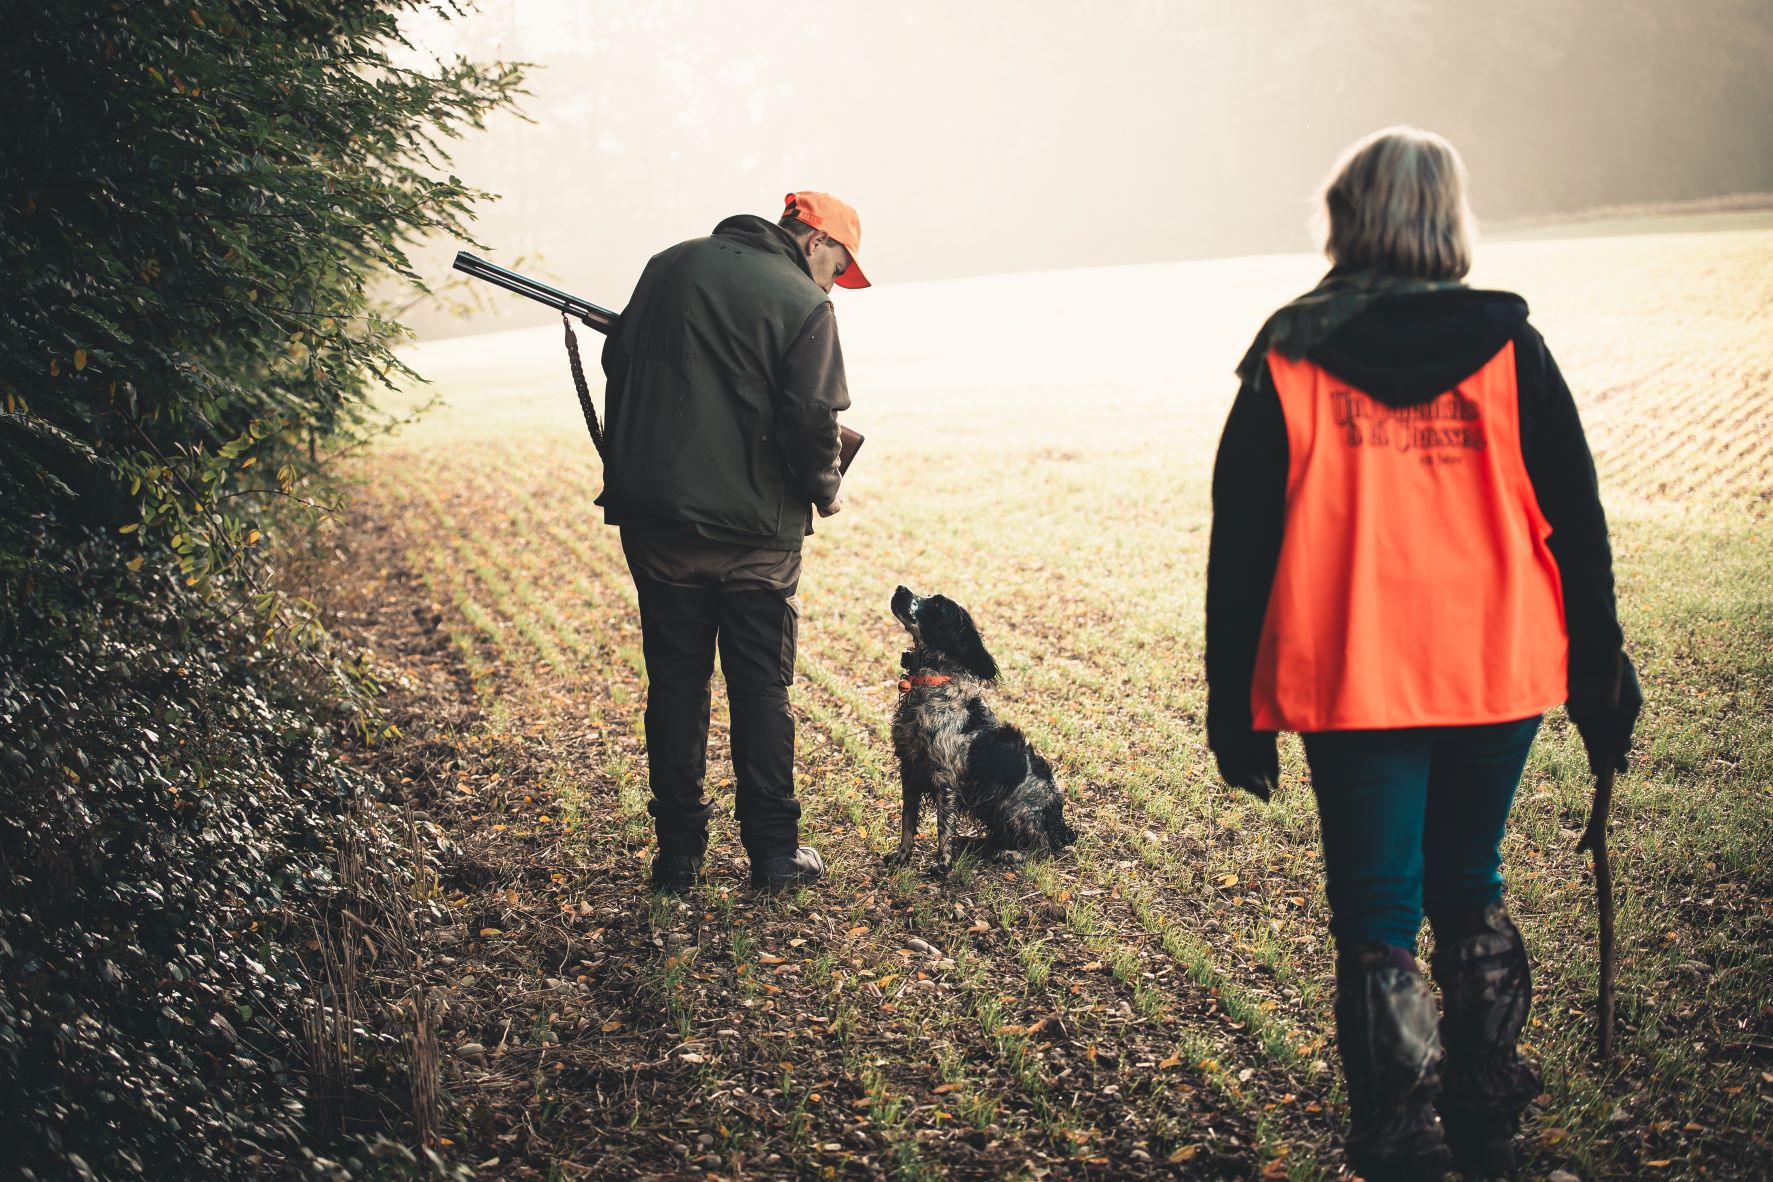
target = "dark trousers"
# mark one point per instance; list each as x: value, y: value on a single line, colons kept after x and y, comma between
x: 755, y: 629
x: 1412, y: 822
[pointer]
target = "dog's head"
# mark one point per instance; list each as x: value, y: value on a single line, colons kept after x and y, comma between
x: 941, y: 627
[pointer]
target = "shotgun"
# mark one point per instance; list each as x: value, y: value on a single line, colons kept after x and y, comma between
x: 604, y: 321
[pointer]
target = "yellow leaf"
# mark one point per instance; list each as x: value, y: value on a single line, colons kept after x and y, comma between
x: 130, y: 528
x: 491, y: 932
x: 1168, y: 1063
x: 79, y: 359
x: 1183, y: 1154
x: 252, y: 536
x: 55, y: 368
x: 1095, y: 966
x: 135, y: 563
x: 250, y: 461
x: 1228, y: 880
x: 944, y: 1089
x: 511, y: 896
x: 611, y: 1027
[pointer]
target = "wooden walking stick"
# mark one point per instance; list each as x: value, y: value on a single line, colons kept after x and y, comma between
x: 1594, y: 838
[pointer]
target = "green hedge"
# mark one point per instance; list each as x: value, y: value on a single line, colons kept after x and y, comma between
x: 196, y: 202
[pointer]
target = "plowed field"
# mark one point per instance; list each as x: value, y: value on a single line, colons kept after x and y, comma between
x: 1157, y: 1002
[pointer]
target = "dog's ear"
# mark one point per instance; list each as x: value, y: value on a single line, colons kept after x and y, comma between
x: 969, y: 650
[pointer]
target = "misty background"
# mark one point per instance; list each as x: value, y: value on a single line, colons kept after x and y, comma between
x: 989, y: 137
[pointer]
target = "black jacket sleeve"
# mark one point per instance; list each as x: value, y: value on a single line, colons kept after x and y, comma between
x: 1562, y: 474
x: 812, y: 391
x: 1249, y: 515
x: 614, y: 358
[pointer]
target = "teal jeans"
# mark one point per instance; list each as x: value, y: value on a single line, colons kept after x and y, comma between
x: 1412, y: 824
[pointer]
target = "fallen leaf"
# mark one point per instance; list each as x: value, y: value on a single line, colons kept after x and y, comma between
x: 1171, y: 1061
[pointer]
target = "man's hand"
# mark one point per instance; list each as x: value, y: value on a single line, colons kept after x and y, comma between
x: 832, y: 509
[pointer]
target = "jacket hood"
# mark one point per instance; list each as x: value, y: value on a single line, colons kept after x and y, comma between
x: 748, y: 229
x: 1407, y: 348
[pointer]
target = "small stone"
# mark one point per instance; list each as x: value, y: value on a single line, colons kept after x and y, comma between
x: 923, y: 946
x: 471, y: 1051
x: 712, y: 1162
x: 705, y: 1141
x: 1139, y: 1155
x: 1562, y: 1176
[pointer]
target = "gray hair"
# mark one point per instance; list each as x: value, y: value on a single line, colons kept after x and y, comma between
x: 1396, y: 203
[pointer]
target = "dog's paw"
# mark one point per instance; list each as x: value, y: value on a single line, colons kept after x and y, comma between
x: 1008, y: 857
x: 940, y: 870
x: 894, y: 859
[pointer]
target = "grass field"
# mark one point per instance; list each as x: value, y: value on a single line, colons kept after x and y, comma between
x: 1158, y: 1002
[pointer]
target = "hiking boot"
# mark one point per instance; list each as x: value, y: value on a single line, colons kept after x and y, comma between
x: 1391, y: 1053
x: 676, y: 874
x: 787, y: 870
x: 1480, y: 963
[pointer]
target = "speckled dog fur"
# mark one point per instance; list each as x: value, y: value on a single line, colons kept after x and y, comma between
x: 952, y: 748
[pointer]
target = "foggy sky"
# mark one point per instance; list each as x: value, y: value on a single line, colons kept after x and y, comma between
x: 977, y: 138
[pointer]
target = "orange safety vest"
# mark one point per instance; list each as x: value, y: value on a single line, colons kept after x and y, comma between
x: 1415, y: 586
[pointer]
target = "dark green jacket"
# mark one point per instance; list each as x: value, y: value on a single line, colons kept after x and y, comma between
x: 724, y: 380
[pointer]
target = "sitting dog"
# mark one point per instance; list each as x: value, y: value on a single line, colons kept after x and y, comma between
x: 953, y: 748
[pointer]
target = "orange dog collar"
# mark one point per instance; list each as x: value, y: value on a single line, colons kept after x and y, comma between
x: 905, y: 683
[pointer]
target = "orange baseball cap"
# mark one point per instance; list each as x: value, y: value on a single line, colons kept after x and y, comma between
x: 824, y: 212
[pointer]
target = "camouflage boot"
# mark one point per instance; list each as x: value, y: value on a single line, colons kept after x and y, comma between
x: 1391, y: 1054
x: 1480, y: 964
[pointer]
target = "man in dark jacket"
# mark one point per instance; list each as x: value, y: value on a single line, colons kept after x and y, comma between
x: 725, y: 380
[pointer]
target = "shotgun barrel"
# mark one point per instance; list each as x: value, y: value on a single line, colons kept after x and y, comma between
x: 594, y: 315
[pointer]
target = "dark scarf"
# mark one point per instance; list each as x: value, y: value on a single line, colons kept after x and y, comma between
x: 1314, y: 317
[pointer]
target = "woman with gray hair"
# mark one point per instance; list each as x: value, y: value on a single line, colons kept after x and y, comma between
x: 1409, y: 565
